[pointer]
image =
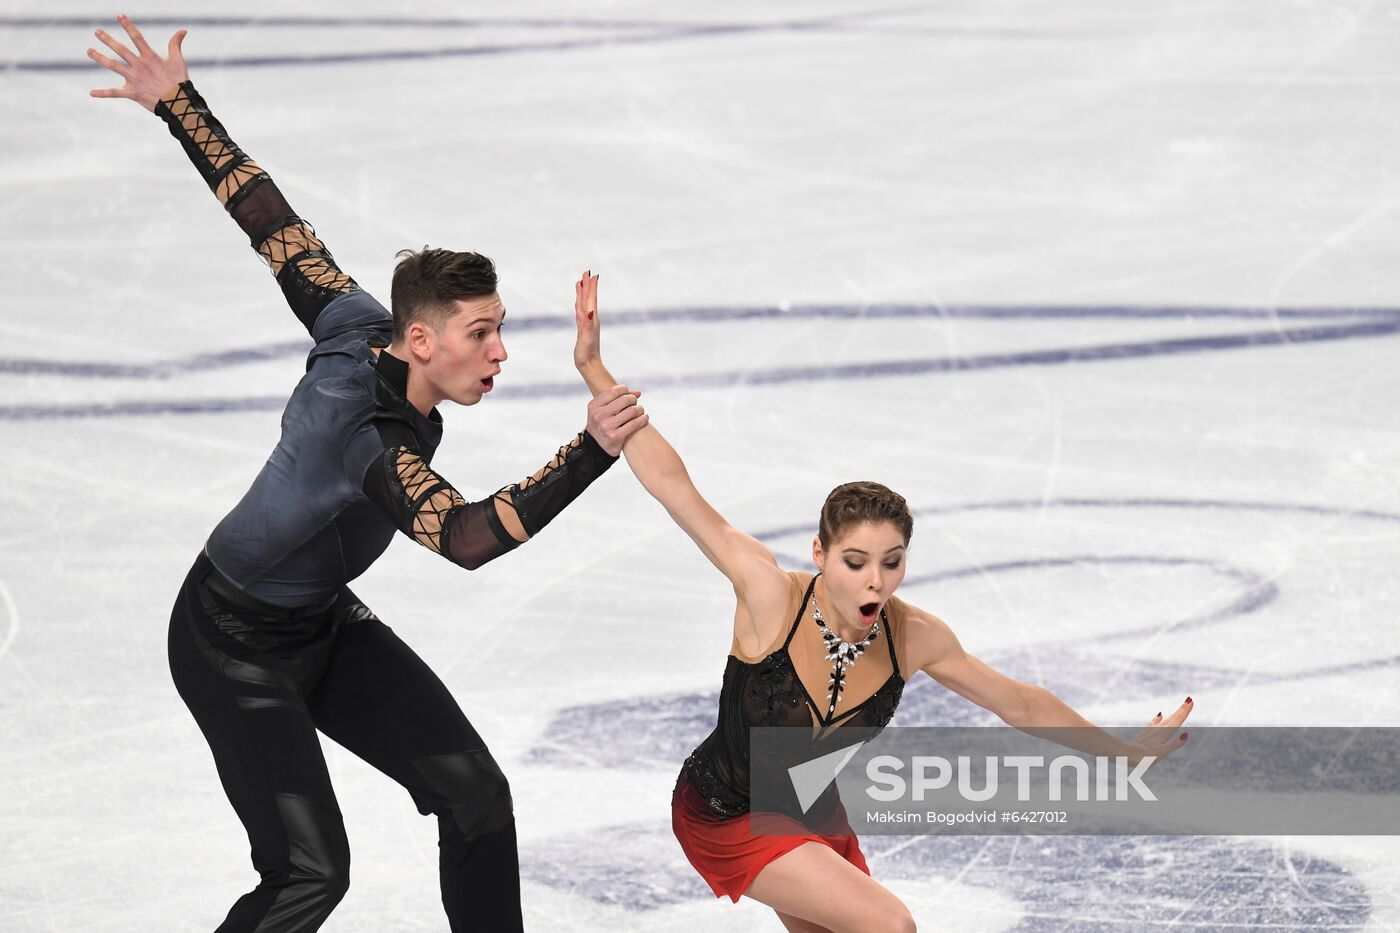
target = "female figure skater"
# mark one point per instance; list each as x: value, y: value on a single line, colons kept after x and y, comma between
x: 267, y: 644
x: 820, y: 652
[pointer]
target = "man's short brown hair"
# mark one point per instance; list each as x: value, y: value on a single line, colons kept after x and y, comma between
x: 427, y: 282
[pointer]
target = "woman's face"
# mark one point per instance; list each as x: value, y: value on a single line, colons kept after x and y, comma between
x: 860, y: 571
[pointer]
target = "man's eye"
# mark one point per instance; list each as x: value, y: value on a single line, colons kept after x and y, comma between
x: 480, y: 335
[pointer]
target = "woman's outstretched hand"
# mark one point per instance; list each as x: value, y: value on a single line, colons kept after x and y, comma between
x: 588, y: 354
x: 1160, y: 738
x: 614, y: 414
x: 146, y: 74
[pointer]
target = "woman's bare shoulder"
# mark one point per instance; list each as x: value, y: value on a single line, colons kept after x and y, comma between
x: 764, y: 613
x: 920, y: 635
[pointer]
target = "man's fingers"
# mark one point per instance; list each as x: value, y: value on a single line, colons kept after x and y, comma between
x: 176, y: 51
x: 626, y: 398
x: 620, y: 403
x: 632, y: 427
x: 620, y: 418
x: 110, y: 65
x: 135, y: 34
x: 608, y: 395
x: 126, y: 54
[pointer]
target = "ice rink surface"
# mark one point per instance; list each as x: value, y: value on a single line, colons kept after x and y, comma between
x: 1108, y: 290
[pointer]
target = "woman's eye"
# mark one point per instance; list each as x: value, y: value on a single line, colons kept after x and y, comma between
x: 480, y: 335
x: 894, y: 566
x: 854, y: 566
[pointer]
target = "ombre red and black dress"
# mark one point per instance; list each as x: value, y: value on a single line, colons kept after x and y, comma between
x: 710, y: 805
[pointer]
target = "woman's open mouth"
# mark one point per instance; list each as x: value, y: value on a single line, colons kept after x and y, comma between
x: 868, y: 613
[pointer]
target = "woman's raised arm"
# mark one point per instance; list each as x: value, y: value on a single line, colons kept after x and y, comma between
x: 745, y: 561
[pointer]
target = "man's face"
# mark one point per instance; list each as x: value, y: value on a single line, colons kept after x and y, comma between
x: 467, y: 354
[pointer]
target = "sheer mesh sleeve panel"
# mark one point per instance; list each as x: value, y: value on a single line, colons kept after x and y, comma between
x: 425, y: 506
x: 538, y: 498
x: 304, y: 269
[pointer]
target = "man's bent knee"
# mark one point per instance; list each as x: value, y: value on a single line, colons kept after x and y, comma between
x: 315, y: 873
x: 470, y: 787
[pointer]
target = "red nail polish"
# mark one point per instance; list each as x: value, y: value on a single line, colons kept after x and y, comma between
x: 1188, y: 699
x: 1158, y: 716
x: 1184, y: 735
x: 590, y: 315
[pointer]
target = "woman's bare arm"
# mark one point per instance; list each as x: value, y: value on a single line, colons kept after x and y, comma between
x: 933, y: 648
x: 750, y: 567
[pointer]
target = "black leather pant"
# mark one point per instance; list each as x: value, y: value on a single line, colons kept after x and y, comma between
x: 261, y: 681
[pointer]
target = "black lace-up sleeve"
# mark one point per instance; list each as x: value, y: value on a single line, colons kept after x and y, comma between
x: 426, y: 507
x: 304, y: 269
x: 543, y: 494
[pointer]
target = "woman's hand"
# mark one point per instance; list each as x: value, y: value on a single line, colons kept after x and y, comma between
x: 588, y: 356
x: 614, y: 414
x: 146, y: 74
x: 1159, y: 739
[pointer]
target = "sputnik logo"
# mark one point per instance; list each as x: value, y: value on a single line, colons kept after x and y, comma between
x: 811, y: 778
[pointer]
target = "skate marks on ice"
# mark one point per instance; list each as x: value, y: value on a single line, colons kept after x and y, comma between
x: 1083, y: 884
x: 9, y: 620
x: 492, y: 36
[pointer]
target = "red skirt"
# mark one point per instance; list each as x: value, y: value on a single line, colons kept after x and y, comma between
x: 728, y: 854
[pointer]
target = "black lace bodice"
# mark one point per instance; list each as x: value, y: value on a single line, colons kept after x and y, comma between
x: 770, y: 693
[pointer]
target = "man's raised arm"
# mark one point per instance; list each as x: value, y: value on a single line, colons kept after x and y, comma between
x: 303, y: 267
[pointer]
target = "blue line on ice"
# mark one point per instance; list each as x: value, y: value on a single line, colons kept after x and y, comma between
x: 1341, y: 325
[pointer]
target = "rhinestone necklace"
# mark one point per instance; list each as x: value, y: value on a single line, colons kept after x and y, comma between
x: 842, y: 654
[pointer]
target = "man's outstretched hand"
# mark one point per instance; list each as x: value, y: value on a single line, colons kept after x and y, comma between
x: 146, y: 74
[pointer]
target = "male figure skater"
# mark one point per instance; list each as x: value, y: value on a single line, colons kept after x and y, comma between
x: 267, y: 644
